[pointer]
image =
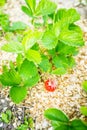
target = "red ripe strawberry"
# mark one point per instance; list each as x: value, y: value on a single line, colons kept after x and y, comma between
x: 50, y: 85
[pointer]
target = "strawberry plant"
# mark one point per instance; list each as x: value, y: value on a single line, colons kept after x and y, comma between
x: 49, y: 46
x: 6, y: 116
x: 20, y: 78
x: 60, y: 121
x: 28, y: 124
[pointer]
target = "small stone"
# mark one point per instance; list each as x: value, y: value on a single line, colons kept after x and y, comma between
x: 5, y: 108
x: 19, y: 109
x: 11, y: 104
x: 14, y: 124
x: 2, y: 101
x: 50, y: 128
x: 44, y: 124
x: 19, y: 117
x: 1, y: 124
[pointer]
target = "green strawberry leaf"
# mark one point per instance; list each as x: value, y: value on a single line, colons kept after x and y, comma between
x: 84, y: 85
x: 4, y: 22
x: 35, y: 47
x: 65, y: 18
x: 77, y: 124
x: 31, y: 123
x: 49, y: 40
x: 60, y: 14
x: 27, y: 11
x: 33, y: 55
x: 59, y: 126
x: 31, y: 38
x: 14, y: 47
x: 2, y: 2
x: 18, y: 94
x: 31, y: 4
x: 22, y: 127
x: 56, y: 115
x: 68, y: 17
x: 71, y: 62
x: 59, y: 71
x: 71, y: 16
x: 60, y: 61
x: 75, y: 28
x: 52, y: 52
x: 19, y: 61
x: 57, y: 27
x: 45, y: 7
x: 83, y: 110
x: 4, y: 117
x: 64, y: 49
x: 18, y: 26
x: 45, y: 65
x: 71, y: 38
x: 33, y: 81
x: 10, y: 78
x: 27, y: 71
x: 55, y: 124
x: 9, y: 113
x: 62, y: 64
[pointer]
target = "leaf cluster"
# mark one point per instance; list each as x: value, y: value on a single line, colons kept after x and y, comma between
x: 54, y: 44
x: 60, y: 121
x: 28, y: 124
x: 6, y: 116
x: 20, y: 78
